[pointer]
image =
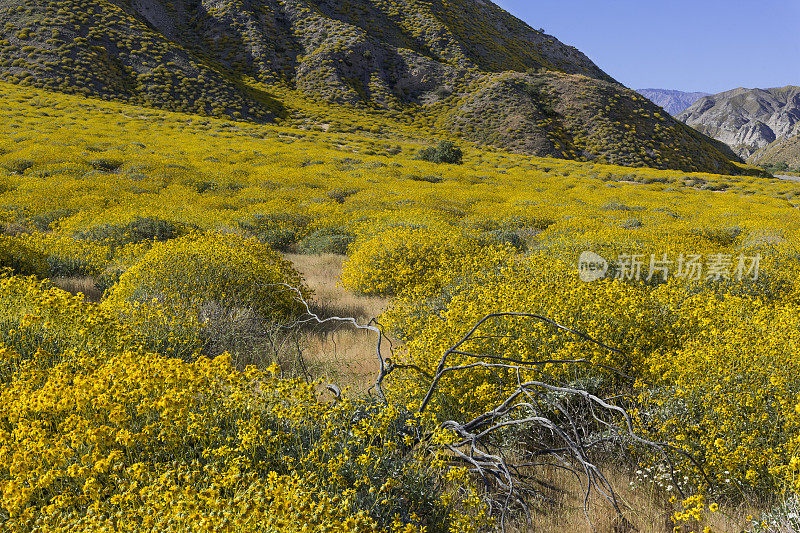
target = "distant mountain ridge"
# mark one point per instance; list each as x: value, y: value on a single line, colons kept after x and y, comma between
x: 442, y: 63
x: 747, y: 120
x: 672, y: 101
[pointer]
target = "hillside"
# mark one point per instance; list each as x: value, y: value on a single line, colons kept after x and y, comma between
x: 782, y: 155
x: 354, y: 51
x: 418, y: 62
x: 572, y: 116
x: 747, y: 119
x: 673, y: 102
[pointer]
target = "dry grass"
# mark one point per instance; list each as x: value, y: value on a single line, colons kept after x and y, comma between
x: 346, y: 358
x: 344, y: 355
x: 645, y: 509
x: 322, y: 273
x: 76, y: 285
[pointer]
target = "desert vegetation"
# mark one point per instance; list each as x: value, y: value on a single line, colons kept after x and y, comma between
x: 279, y: 327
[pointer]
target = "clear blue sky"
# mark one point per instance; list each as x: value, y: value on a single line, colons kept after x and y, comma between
x: 700, y: 45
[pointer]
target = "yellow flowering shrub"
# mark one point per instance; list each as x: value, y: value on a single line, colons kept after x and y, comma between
x: 692, y: 514
x: 407, y: 258
x: 35, y: 316
x: 179, y: 286
x: 540, y: 285
x: 67, y: 256
x: 22, y: 257
x: 97, y: 433
x: 729, y: 396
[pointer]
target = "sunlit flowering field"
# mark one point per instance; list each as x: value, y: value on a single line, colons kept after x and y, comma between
x: 138, y: 410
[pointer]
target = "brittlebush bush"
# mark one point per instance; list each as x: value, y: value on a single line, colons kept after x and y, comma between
x: 181, y: 286
x: 35, y: 316
x: 22, y: 257
x: 729, y: 396
x: 67, y: 256
x: 407, y: 259
x: 97, y: 433
x: 541, y: 285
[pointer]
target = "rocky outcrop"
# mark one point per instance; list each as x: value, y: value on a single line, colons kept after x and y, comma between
x: 782, y: 155
x: 747, y: 120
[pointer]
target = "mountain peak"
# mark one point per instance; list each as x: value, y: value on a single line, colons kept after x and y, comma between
x: 748, y: 120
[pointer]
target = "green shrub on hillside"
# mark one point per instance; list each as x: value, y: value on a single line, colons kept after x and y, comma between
x: 444, y: 152
x: 326, y: 241
x: 138, y: 230
x: 280, y: 231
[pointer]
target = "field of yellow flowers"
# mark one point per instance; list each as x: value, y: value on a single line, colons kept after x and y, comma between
x: 137, y: 412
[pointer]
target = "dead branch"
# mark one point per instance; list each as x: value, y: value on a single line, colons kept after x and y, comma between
x: 529, y: 407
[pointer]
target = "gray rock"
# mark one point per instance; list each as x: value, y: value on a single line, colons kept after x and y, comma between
x: 747, y: 120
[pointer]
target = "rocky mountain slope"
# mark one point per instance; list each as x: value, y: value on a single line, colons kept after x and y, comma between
x: 430, y: 59
x: 565, y: 115
x: 782, y: 155
x: 673, y: 102
x: 747, y: 120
